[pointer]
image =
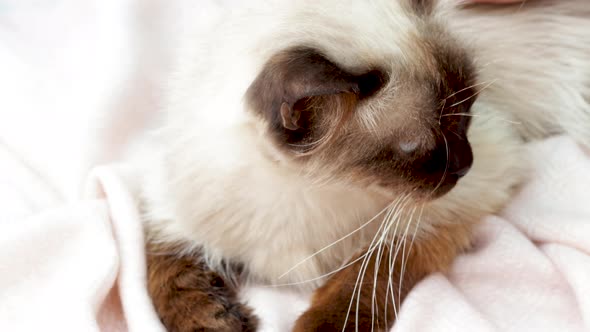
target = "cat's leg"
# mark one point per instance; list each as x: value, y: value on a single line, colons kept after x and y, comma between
x: 189, y: 296
x: 338, y: 304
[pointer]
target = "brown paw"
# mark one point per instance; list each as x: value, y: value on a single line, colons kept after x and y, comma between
x: 189, y: 297
x: 205, y: 305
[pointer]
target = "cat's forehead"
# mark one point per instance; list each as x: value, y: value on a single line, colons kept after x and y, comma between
x: 356, y: 34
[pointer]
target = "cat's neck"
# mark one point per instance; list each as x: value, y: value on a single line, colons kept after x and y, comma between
x: 246, y: 208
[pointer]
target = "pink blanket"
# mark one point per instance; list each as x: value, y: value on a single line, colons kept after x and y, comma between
x: 78, y: 82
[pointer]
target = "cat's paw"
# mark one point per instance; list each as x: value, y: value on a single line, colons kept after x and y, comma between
x: 189, y: 297
x: 206, y: 304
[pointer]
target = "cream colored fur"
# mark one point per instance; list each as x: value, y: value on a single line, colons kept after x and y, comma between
x: 210, y: 176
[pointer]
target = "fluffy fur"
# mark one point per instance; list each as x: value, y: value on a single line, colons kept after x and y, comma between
x: 214, y: 180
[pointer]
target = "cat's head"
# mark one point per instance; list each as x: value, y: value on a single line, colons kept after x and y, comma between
x: 370, y: 101
x: 373, y: 95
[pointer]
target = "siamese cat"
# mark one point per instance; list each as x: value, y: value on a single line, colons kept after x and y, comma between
x: 347, y: 147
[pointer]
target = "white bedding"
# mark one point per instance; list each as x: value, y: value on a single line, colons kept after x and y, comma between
x: 78, y: 80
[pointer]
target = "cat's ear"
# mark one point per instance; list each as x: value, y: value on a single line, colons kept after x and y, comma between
x: 299, y: 92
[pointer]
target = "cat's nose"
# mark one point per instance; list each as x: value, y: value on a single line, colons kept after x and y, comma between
x: 460, y: 158
x: 439, y: 169
x: 462, y: 169
x: 458, y: 149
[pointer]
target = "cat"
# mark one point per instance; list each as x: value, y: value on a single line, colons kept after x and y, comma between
x: 325, y: 145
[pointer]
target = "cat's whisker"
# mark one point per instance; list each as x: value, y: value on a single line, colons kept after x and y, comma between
x: 479, y: 115
x: 367, y: 257
x: 390, y: 279
x: 361, y: 272
x: 392, y: 256
x: 401, y: 249
x: 391, y: 208
x: 384, y: 226
x: 442, y: 178
x: 378, y: 262
x: 374, y: 306
x: 393, y: 220
x: 319, y: 277
x: 474, y: 94
x: 339, y: 240
x: 392, y: 268
x: 404, y: 258
x: 469, y: 87
x: 403, y: 239
x: 390, y: 271
x: 442, y: 109
x: 379, y: 246
x: 374, y: 292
